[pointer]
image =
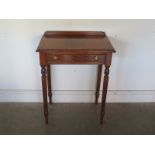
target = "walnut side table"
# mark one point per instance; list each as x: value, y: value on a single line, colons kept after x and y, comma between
x: 74, y: 47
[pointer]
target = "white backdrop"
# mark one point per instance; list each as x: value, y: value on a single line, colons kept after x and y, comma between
x: 132, y: 73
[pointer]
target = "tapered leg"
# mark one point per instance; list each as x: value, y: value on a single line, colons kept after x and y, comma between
x: 44, y: 91
x: 99, y: 74
x: 49, y: 84
x: 104, y: 93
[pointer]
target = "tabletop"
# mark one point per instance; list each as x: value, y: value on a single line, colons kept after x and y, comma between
x: 75, y: 41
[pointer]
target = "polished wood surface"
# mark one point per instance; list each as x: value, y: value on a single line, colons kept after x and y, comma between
x: 49, y: 83
x: 75, y: 47
x: 44, y: 90
x: 105, y: 86
x: 75, y: 59
x: 99, y: 74
x: 74, y: 34
x: 88, y: 42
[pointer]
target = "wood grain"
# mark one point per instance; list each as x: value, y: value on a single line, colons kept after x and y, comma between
x: 75, y: 59
x: 75, y: 41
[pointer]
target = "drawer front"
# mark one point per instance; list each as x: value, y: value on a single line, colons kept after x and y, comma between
x: 75, y: 59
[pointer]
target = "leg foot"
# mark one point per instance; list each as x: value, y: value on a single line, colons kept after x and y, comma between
x: 46, y: 118
x: 101, y: 117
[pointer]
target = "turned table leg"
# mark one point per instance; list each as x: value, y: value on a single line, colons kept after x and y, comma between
x: 104, y: 92
x: 49, y: 84
x: 44, y: 91
x: 99, y: 74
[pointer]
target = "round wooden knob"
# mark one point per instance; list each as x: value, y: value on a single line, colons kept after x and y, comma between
x: 55, y: 58
x: 96, y: 58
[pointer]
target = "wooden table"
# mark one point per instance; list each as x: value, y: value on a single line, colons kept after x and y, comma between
x: 74, y: 47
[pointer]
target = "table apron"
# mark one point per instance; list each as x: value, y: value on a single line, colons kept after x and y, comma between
x: 75, y: 59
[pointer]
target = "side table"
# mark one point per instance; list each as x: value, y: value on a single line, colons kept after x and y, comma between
x: 74, y: 47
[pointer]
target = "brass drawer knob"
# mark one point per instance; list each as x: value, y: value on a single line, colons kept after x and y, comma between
x: 96, y: 58
x: 55, y: 58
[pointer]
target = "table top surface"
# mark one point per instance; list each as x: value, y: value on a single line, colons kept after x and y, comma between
x: 75, y: 41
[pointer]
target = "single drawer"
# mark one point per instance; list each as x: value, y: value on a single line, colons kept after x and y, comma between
x: 75, y: 59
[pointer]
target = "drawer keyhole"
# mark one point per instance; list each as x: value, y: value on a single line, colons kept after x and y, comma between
x: 96, y: 58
